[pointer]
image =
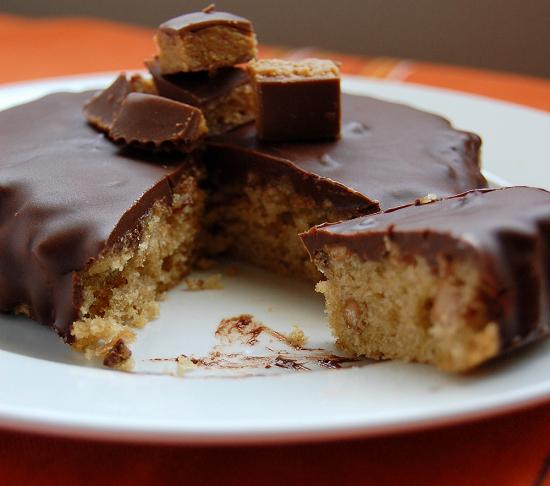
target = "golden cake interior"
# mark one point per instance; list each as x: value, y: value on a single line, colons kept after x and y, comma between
x: 121, y: 289
x: 404, y: 308
x: 259, y: 221
x: 204, y: 50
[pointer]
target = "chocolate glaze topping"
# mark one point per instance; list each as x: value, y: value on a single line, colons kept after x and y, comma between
x: 505, y: 231
x: 203, y: 20
x: 150, y: 120
x: 388, y: 152
x: 197, y: 88
x: 67, y: 194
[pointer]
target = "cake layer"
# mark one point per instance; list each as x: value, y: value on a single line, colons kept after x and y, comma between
x: 466, y: 277
x: 67, y: 197
x: 388, y: 152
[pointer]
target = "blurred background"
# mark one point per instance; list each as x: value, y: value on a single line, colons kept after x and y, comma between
x: 509, y: 35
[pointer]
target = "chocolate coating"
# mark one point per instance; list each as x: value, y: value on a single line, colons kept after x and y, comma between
x: 102, y: 108
x: 202, y: 20
x: 67, y: 194
x: 197, y: 88
x: 296, y: 101
x: 298, y: 110
x: 150, y: 120
x: 506, y: 232
x: 388, y: 152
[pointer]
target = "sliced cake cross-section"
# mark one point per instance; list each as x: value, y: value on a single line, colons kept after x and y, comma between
x: 453, y: 282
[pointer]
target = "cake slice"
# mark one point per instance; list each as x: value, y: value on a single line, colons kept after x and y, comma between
x: 452, y: 282
x: 204, y: 41
x: 91, y: 233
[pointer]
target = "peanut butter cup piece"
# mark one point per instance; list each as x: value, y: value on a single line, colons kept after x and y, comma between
x: 101, y: 109
x: 205, y: 41
x: 296, y: 100
x: 161, y: 123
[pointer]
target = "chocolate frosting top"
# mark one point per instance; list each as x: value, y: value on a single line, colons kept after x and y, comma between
x: 66, y: 195
x: 203, y: 20
x: 505, y: 231
x: 197, y: 88
x: 388, y: 152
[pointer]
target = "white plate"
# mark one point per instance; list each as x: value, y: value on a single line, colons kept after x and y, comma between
x: 46, y: 387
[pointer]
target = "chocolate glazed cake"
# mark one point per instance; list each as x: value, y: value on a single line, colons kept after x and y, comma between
x: 453, y: 282
x: 90, y: 233
x: 263, y: 194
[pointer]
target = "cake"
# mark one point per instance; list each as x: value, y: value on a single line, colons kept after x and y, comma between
x: 452, y: 282
x: 93, y: 233
x: 102, y: 213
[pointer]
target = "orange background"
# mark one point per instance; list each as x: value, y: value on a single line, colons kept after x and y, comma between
x: 509, y: 450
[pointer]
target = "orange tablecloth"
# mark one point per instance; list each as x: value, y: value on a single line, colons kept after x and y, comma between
x: 508, y: 450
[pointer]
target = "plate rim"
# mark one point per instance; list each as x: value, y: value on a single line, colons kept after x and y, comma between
x: 40, y: 424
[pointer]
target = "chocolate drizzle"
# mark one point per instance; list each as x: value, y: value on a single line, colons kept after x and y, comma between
x: 228, y: 356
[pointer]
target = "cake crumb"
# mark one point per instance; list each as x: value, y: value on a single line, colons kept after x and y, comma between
x: 296, y: 337
x: 213, y: 282
x: 118, y: 355
x: 206, y: 263
x: 232, y: 271
x: 428, y: 198
x: 209, y: 9
x: 184, y: 365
